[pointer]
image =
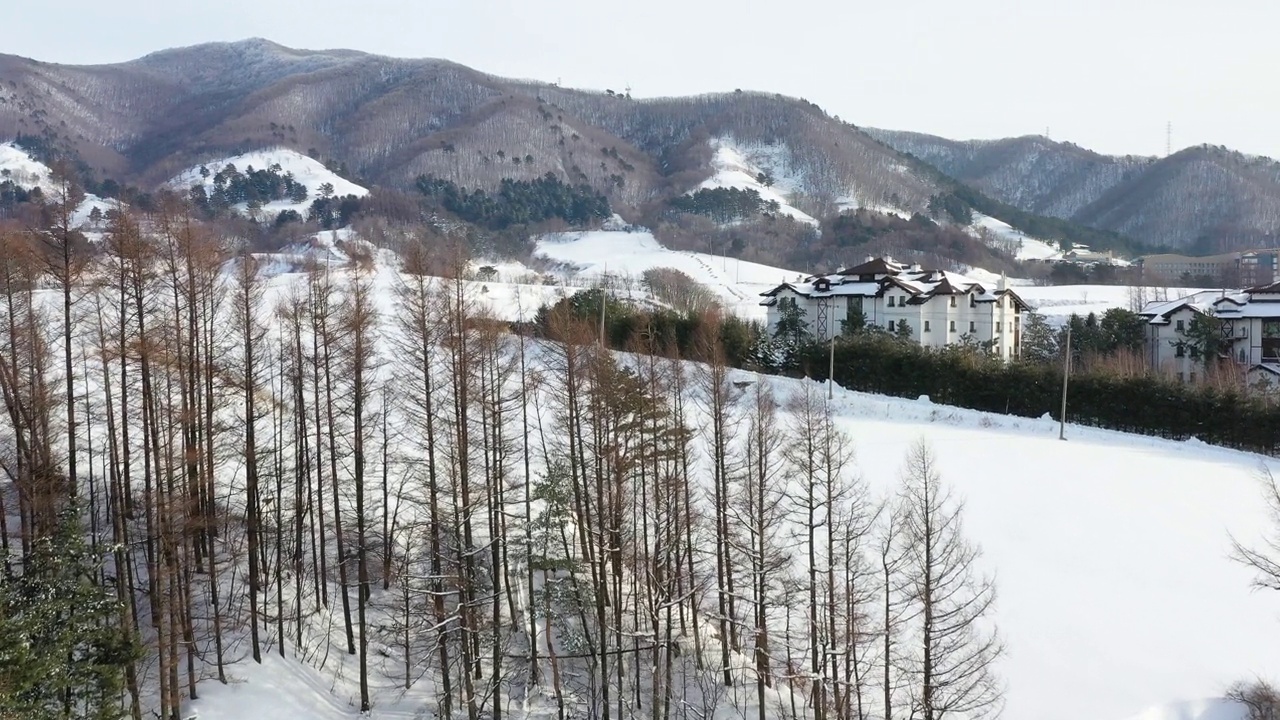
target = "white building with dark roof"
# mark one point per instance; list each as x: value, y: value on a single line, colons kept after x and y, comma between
x: 1248, y: 322
x: 938, y: 308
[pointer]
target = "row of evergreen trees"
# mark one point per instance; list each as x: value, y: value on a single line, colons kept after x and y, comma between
x: 253, y: 186
x: 725, y: 204
x: 1139, y: 403
x: 518, y: 202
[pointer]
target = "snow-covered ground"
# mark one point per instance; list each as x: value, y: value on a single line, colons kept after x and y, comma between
x: 1117, y: 600
x: 590, y: 255
x: 21, y: 168
x: 1057, y: 302
x: 27, y: 172
x: 1026, y: 248
x: 308, y: 171
x: 739, y: 167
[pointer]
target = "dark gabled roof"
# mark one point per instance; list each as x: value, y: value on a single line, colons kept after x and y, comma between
x: 1272, y: 288
x: 944, y: 287
x: 1017, y: 299
x: 878, y: 266
x: 891, y: 280
x: 1269, y: 368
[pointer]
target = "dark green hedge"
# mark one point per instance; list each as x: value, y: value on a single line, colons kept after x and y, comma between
x: 1145, y: 405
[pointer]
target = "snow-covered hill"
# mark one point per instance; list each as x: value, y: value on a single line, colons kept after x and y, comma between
x: 1116, y: 596
x: 589, y: 255
x: 308, y: 171
x: 16, y: 165
x: 1022, y: 246
x: 741, y: 168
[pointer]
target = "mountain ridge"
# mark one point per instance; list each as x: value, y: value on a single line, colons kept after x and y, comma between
x: 1201, y: 198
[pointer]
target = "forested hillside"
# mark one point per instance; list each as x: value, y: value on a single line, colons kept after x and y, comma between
x: 1201, y: 199
x: 361, y: 469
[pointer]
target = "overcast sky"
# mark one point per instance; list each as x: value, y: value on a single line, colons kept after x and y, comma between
x: 1106, y: 74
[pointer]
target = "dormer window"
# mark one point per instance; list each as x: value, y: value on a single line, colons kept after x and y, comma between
x: 822, y: 285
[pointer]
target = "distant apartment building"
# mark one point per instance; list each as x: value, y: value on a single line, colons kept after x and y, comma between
x: 1251, y: 268
x: 937, y: 308
x: 1250, y: 330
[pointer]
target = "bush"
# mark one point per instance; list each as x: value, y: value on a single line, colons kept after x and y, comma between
x: 1260, y: 699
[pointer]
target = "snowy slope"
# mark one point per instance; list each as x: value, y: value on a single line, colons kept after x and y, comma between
x: 1025, y: 248
x: 1059, y: 301
x: 308, y: 171
x: 1123, y: 609
x: 21, y: 168
x: 628, y: 254
x: 736, y: 167
x: 1117, y: 599
x: 27, y: 172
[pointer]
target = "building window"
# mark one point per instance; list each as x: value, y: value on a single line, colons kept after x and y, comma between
x: 973, y: 326
x: 1181, y: 325
x: 890, y: 300
x: 1010, y: 327
x: 926, y: 326
x: 973, y: 301
x: 1179, y: 350
x: 889, y: 325
x: 953, y: 323
x: 953, y: 301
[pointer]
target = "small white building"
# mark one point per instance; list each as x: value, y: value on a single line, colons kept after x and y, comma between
x: 939, y: 308
x: 1248, y: 322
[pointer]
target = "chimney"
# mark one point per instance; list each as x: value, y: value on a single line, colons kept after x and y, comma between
x: 1004, y: 282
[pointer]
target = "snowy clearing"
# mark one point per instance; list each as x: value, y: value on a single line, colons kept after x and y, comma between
x: 308, y: 171
x: 627, y: 255
x: 1027, y: 248
x: 21, y: 168
x: 739, y: 168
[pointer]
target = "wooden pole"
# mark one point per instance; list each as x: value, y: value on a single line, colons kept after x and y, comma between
x: 1066, y: 374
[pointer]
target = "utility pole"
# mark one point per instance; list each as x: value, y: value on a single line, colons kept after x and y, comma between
x: 831, y: 370
x: 1066, y: 373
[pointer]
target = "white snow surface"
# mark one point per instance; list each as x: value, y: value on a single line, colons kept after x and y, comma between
x: 1117, y: 599
x: 1208, y: 709
x: 308, y: 171
x: 1027, y: 248
x: 1057, y: 302
x: 738, y: 166
x: 591, y: 255
x: 25, y: 171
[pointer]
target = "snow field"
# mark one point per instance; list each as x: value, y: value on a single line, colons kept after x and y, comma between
x: 626, y: 255
x: 1110, y: 551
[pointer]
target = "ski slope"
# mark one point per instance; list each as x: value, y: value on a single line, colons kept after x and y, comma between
x: 308, y: 171
x: 738, y: 167
x: 1026, y: 248
x: 587, y: 256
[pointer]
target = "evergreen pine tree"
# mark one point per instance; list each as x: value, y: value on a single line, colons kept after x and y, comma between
x: 61, y: 654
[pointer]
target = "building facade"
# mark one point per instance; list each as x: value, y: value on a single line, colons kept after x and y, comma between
x: 1252, y: 268
x: 936, y: 308
x: 1246, y: 322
